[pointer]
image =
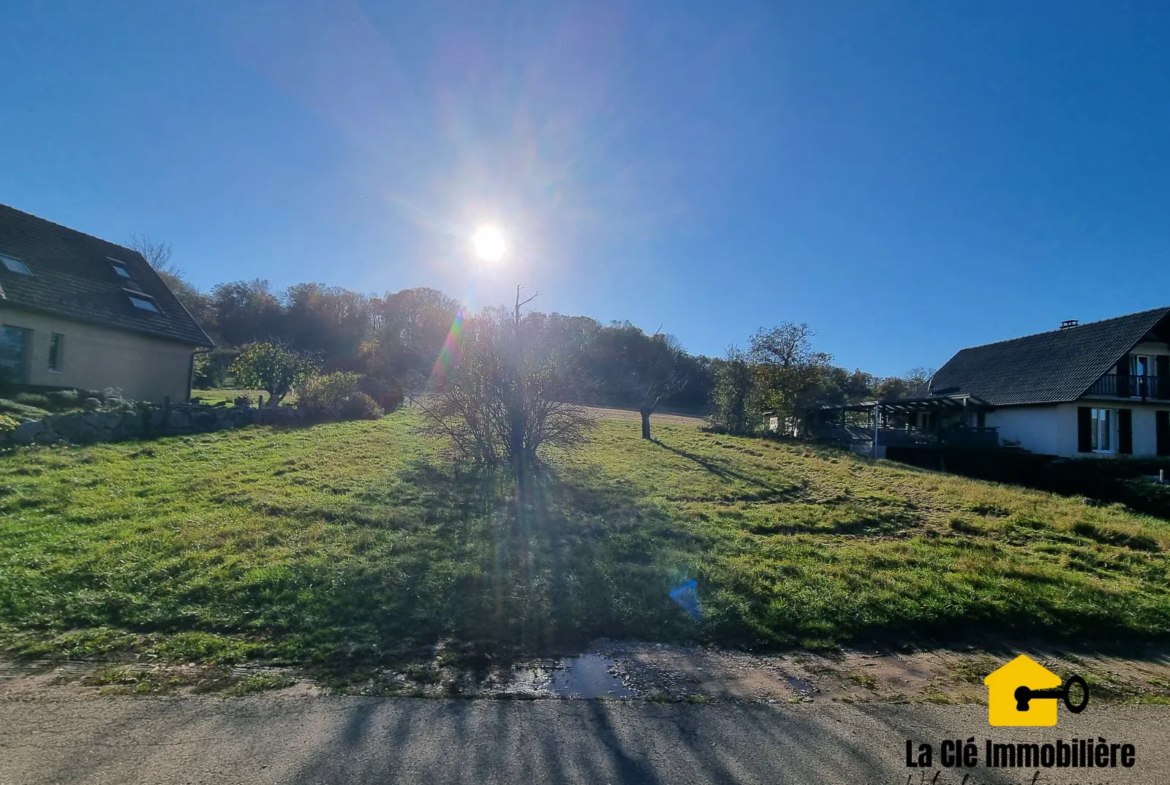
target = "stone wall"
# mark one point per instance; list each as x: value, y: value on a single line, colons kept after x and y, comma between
x: 145, y: 423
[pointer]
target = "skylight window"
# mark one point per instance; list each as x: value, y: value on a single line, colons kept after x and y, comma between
x: 120, y: 268
x: 15, y: 265
x: 143, y: 302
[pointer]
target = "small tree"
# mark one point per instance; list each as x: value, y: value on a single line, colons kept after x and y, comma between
x: 637, y: 369
x: 655, y: 377
x: 272, y: 367
x: 499, y: 399
x: 731, y: 396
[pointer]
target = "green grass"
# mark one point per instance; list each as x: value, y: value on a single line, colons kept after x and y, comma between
x: 867, y: 680
x: 353, y: 544
x: 212, y: 397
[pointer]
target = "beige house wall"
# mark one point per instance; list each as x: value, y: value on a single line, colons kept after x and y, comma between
x: 94, y: 358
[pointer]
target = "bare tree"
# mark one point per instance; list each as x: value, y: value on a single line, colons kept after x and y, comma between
x: 500, y: 400
x: 918, y: 380
x: 158, y: 254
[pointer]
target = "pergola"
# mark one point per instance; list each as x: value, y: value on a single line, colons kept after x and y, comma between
x: 831, y: 423
x: 940, y: 404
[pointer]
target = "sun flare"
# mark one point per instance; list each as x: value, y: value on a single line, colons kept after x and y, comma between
x: 489, y: 243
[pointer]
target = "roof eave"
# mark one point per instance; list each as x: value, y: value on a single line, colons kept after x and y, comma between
x: 206, y: 343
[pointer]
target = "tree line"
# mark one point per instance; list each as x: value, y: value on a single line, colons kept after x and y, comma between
x: 781, y: 374
x: 411, y: 335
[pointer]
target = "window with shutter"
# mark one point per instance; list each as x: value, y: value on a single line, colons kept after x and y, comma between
x: 1125, y: 431
x: 1084, y: 429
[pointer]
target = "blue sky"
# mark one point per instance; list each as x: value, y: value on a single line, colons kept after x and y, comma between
x: 908, y: 178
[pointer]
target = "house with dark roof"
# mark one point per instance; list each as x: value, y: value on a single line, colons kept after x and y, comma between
x: 1094, y: 389
x: 77, y: 312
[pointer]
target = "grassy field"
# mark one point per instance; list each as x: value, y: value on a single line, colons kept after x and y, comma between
x: 355, y: 543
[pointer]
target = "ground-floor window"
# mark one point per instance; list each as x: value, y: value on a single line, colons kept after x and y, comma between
x: 56, y: 352
x: 1101, y: 432
x: 13, y: 351
x: 1162, y: 432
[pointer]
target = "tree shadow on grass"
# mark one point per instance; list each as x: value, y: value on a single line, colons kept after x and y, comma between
x: 844, y: 522
x: 484, y: 563
x: 723, y: 471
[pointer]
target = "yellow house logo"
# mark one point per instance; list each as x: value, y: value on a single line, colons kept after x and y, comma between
x: 1023, y: 693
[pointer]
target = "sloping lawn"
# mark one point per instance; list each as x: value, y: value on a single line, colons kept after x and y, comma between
x: 356, y: 543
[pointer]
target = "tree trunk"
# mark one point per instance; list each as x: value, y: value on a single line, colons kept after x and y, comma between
x: 645, y: 424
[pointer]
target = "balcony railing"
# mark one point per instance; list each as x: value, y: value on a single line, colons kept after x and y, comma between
x: 955, y: 436
x: 1135, y: 386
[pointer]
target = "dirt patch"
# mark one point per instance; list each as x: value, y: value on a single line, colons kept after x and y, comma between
x: 31, y: 680
x: 855, y: 675
x: 625, y: 670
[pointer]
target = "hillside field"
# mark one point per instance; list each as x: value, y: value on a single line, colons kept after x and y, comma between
x: 354, y: 543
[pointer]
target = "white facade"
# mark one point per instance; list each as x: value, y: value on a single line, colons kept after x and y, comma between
x: 1034, y: 428
x: 1052, y: 429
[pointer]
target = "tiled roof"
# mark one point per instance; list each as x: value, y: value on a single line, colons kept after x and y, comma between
x: 72, y: 277
x: 1052, y: 367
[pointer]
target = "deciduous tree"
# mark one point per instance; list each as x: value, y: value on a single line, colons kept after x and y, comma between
x: 731, y: 396
x: 499, y: 399
x: 786, y: 368
x: 272, y: 367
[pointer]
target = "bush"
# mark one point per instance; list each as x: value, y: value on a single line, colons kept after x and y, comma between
x: 22, y: 410
x: 360, y: 406
x: 325, y: 395
x: 336, y: 396
x: 8, y: 423
x: 243, y: 401
x: 387, y: 394
x: 32, y: 399
x: 213, y: 369
x: 1103, y: 481
x: 64, y: 399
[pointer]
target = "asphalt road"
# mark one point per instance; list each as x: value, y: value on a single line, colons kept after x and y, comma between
x: 270, y: 739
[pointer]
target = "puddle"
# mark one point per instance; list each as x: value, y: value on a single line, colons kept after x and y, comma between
x: 800, y: 687
x: 587, y: 676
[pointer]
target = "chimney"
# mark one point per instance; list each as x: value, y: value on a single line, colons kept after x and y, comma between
x: 1068, y: 324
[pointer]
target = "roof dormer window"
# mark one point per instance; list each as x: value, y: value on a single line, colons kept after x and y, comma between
x: 120, y: 268
x: 143, y: 302
x: 15, y: 265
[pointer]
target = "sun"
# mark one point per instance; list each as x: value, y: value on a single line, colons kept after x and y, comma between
x: 488, y: 242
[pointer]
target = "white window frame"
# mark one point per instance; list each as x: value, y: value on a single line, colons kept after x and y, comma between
x: 121, y: 269
x: 136, y: 297
x: 14, y: 265
x: 1110, y: 430
x: 26, y: 351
